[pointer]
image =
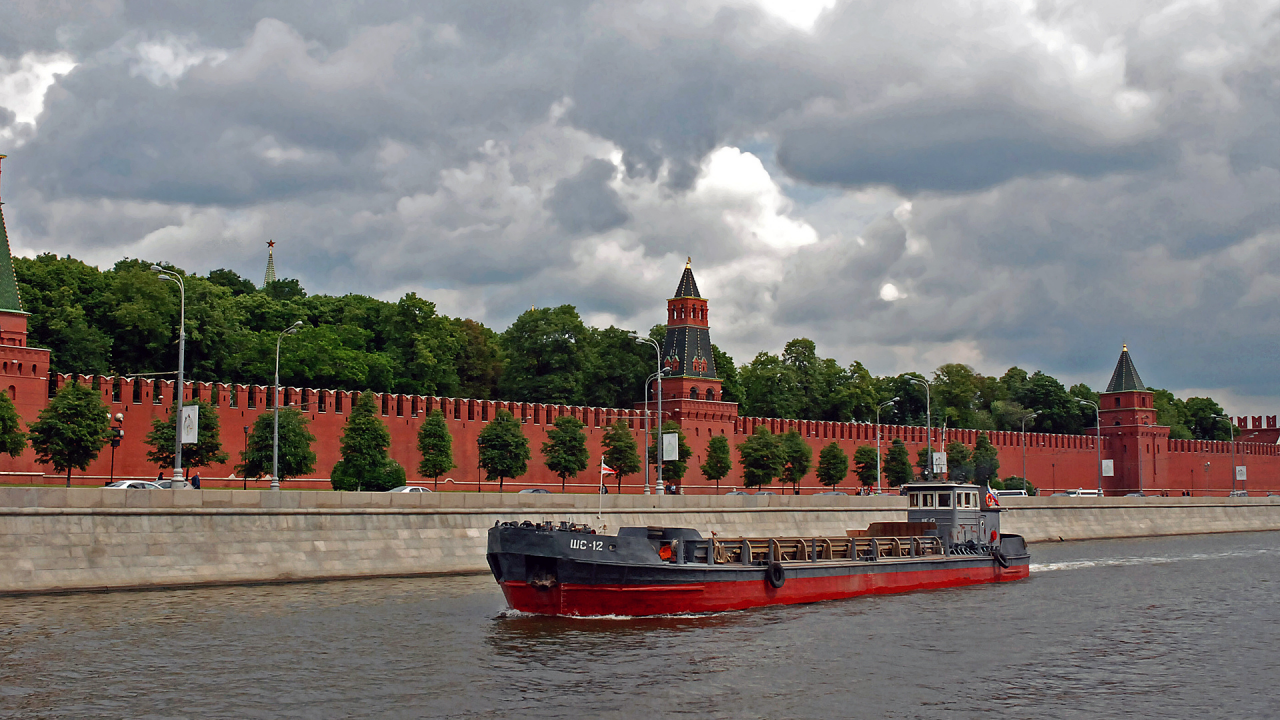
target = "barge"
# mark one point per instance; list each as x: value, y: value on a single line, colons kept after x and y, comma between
x: 951, y: 537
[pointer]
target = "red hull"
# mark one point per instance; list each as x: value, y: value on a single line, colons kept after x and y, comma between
x: 637, y: 600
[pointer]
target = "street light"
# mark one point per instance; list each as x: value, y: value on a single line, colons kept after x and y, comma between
x: 928, y: 419
x: 879, y: 471
x: 647, y: 438
x: 1025, y: 418
x: 275, y: 431
x: 117, y: 434
x: 658, y: 350
x: 245, y: 480
x: 1232, y: 426
x: 1097, y: 416
x: 178, y: 392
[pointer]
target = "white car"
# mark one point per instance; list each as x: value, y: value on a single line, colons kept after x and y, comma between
x: 134, y: 485
x: 410, y: 488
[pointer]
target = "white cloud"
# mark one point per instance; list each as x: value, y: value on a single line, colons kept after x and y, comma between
x: 24, y: 82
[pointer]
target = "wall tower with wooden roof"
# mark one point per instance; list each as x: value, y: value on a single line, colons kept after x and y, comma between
x: 1137, y: 445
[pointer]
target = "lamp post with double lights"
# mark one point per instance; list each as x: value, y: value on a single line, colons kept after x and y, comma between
x: 928, y: 419
x: 117, y: 434
x: 1025, y: 418
x: 275, y: 432
x: 178, y: 389
x: 658, y: 351
x: 879, y: 470
x: 1097, y: 416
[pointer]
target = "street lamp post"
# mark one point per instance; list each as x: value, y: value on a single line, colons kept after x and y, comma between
x: 1097, y: 416
x: 275, y: 431
x: 928, y: 419
x: 178, y: 389
x: 879, y: 471
x: 658, y: 350
x: 117, y: 434
x: 1025, y: 418
x: 647, y: 438
x: 245, y: 480
x: 1232, y: 427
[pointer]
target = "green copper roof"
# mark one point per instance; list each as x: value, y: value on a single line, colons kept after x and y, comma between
x: 9, y: 298
x: 1125, y: 378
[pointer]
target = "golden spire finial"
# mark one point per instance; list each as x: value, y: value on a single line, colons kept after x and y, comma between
x: 1124, y: 347
x: 688, y: 263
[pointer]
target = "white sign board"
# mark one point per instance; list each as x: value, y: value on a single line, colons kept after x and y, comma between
x: 670, y: 446
x: 190, y: 424
x: 1240, y: 472
x: 1108, y: 468
x: 939, y: 462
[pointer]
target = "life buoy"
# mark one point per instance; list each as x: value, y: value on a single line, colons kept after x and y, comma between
x: 994, y: 537
x: 1000, y: 559
x: 776, y: 575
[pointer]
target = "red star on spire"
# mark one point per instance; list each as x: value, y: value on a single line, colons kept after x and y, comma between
x: 271, y: 243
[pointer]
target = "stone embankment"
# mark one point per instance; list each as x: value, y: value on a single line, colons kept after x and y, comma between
x: 54, y: 539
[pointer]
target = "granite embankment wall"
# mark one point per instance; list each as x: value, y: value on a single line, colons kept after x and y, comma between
x: 87, y: 539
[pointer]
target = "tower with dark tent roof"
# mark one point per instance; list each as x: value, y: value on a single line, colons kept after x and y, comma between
x: 1138, y: 446
x: 270, y: 275
x: 25, y: 370
x: 686, y: 350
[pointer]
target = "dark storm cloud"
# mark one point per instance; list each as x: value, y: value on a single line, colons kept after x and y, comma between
x: 1065, y: 177
x: 585, y: 202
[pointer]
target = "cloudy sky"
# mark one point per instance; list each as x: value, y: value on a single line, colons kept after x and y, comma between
x: 906, y: 183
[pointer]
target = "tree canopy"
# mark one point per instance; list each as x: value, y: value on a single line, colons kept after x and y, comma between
x: 761, y: 458
x: 897, y: 464
x: 71, y: 430
x: 435, y: 444
x: 565, y: 451
x: 797, y: 456
x: 296, y: 456
x: 12, y: 438
x: 833, y: 464
x: 621, y: 453
x: 504, y: 450
x: 866, y: 464
x: 365, y: 464
x: 719, y: 460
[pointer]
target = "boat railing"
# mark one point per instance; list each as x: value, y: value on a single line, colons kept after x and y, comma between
x: 762, y: 551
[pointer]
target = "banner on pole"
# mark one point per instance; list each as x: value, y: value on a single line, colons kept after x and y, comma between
x: 1240, y: 472
x: 670, y: 446
x: 190, y: 424
x: 939, y: 462
x: 1108, y: 468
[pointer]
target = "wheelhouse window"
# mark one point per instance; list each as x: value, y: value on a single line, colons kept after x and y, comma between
x: 914, y: 500
x: 926, y: 500
x: 944, y: 499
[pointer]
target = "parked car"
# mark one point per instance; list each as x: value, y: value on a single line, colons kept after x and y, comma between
x: 168, y: 485
x: 1239, y: 493
x: 134, y: 485
x: 410, y: 488
x: 535, y: 491
x: 1135, y: 494
x: 832, y: 492
x: 766, y: 492
x: 1011, y: 493
x: 1078, y: 493
x: 737, y: 492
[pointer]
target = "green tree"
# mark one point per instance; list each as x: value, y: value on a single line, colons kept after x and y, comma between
x: 1204, y: 420
x: 546, y: 352
x: 621, y: 453
x: 730, y: 386
x: 504, y: 450
x: 959, y: 462
x: 1172, y: 412
x: 797, y: 456
x: 565, y: 451
x: 761, y: 458
x: 768, y: 388
x: 71, y: 430
x: 614, y: 368
x: 672, y: 470
x: 866, y: 465
x: 12, y: 439
x: 986, y: 460
x: 436, y: 446
x: 365, y: 464
x: 897, y: 464
x: 833, y: 465
x: 296, y: 456
x: 719, y: 461
x: 206, y: 451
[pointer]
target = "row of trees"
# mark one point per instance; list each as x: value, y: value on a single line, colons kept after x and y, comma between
x: 124, y: 321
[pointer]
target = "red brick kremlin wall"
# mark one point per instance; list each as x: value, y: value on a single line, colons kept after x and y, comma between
x: 1053, y: 461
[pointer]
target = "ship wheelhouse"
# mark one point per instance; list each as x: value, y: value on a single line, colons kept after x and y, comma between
x: 958, y: 511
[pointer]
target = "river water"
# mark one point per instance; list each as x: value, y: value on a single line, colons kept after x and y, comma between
x: 1180, y: 627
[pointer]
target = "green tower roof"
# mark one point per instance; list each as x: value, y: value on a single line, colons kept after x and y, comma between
x: 9, y: 298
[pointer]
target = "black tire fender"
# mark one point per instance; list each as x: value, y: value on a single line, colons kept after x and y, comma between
x: 776, y: 575
x: 1000, y: 559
